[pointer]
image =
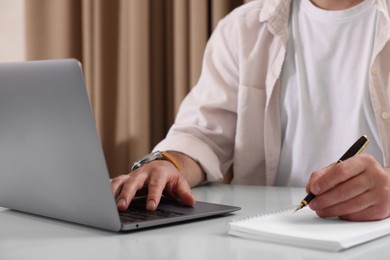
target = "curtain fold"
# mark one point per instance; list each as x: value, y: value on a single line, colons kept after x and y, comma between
x: 140, y: 59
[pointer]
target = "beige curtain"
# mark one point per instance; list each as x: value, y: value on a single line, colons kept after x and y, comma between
x: 140, y: 58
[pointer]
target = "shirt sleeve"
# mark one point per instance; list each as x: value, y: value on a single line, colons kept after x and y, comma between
x: 204, y: 127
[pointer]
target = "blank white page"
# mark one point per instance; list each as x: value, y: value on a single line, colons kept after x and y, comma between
x: 305, y: 228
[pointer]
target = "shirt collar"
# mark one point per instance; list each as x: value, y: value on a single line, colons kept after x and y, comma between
x: 383, y: 6
x: 276, y: 13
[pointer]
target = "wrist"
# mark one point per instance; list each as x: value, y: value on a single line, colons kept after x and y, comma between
x: 157, y: 155
x: 190, y: 169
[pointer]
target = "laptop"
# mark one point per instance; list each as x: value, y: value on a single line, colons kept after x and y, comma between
x: 51, y: 157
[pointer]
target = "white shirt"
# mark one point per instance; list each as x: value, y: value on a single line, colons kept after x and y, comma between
x: 232, y: 115
x: 325, y: 101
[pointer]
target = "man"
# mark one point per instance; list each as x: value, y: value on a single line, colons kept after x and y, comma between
x: 286, y: 87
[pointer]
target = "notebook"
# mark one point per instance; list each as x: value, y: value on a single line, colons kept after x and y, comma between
x: 305, y: 229
x: 51, y: 159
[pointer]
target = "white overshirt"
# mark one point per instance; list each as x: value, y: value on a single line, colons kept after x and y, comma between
x: 232, y: 115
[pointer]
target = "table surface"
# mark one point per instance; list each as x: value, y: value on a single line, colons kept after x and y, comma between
x: 24, y: 236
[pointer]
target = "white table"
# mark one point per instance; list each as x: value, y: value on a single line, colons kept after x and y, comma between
x: 24, y: 236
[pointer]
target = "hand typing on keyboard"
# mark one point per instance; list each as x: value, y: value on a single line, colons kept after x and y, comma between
x: 157, y: 178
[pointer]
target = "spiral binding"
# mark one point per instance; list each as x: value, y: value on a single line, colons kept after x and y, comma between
x: 273, y: 212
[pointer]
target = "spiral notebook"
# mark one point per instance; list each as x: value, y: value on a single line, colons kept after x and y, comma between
x: 305, y: 229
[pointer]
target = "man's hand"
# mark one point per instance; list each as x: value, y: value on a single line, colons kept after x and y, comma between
x: 157, y: 178
x: 357, y: 189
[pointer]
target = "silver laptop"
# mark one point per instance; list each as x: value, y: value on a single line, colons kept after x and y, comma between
x: 51, y: 158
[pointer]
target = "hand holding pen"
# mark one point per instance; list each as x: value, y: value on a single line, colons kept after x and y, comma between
x: 357, y: 189
x: 356, y: 148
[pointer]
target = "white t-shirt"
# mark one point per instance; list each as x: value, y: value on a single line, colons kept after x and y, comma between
x: 325, y: 100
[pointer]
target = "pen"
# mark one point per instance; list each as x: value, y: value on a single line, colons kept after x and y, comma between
x: 356, y: 148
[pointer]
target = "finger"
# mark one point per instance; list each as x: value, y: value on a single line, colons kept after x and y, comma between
x: 343, y: 192
x: 183, y: 193
x: 179, y: 189
x: 117, y: 184
x: 156, y: 187
x: 133, y: 183
x: 350, y: 207
x: 379, y: 198
x: 372, y: 213
x: 364, y: 215
x: 337, y: 174
x: 315, y: 176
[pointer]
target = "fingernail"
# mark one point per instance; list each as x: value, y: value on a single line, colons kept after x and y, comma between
x: 151, y: 205
x: 121, y: 203
x: 315, y: 189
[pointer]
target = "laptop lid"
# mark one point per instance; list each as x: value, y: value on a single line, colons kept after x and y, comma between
x: 51, y: 159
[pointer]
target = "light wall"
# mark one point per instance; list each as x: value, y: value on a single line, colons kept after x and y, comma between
x: 12, y: 40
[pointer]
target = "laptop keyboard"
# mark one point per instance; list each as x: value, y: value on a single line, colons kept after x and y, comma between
x: 136, y: 214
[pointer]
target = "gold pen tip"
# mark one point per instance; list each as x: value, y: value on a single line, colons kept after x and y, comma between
x: 299, y: 207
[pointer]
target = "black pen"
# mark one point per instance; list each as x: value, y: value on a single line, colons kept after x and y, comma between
x: 356, y: 148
